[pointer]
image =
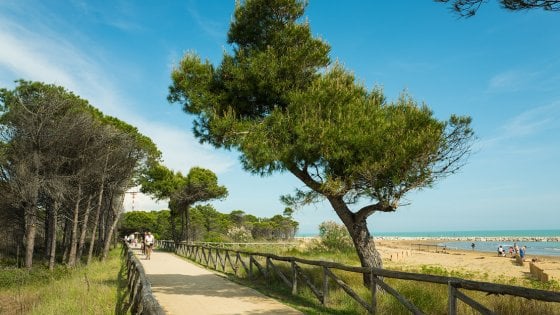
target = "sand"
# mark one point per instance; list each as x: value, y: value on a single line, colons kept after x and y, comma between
x: 486, y: 266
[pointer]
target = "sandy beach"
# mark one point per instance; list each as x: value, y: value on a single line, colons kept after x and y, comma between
x: 403, y: 254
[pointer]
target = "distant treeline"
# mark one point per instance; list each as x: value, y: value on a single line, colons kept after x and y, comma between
x: 209, y: 225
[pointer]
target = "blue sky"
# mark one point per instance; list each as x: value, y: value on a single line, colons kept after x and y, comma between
x: 499, y: 67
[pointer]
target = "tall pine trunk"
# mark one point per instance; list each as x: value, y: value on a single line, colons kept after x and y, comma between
x: 97, y: 212
x: 74, y: 233
x: 30, y: 234
x: 187, y: 225
x: 84, y: 229
x: 47, y: 229
x: 53, y: 222
x: 183, y: 229
x: 66, y: 239
x: 111, y: 230
x: 95, y: 224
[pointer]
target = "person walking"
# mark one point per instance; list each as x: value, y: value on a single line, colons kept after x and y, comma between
x: 143, y: 245
x: 149, y: 244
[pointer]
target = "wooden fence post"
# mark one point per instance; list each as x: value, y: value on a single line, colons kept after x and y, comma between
x: 452, y: 299
x: 268, y: 275
x: 373, y: 289
x: 325, y: 285
x: 294, y: 278
x: 250, y: 266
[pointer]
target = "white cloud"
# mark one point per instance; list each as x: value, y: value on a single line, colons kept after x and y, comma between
x: 528, y: 123
x: 539, y: 78
x: 534, y: 120
x: 211, y: 28
x: 181, y: 151
x: 506, y: 80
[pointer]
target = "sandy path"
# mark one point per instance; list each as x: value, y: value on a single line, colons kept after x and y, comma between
x: 184, y: 288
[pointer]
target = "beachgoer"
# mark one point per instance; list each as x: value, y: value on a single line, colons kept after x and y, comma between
x: 510, y: 251
x: 515, y: 248
x: 501, y: 251
x: 472, y: 245
x: 522, y: 252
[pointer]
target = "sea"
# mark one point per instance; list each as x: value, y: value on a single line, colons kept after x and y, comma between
x: 537, y: 242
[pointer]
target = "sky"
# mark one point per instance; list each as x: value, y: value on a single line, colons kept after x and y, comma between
x: 501, y: 68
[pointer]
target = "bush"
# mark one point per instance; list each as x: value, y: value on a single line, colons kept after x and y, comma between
x: 240, y: 234
x: 215, y: 237
x: 335, y: 236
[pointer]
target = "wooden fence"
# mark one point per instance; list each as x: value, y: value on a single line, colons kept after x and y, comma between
x: 429, y: 247
x: 252, y: 264
x: 140, y: 299
x: 538, y: 272
x: 241, y: 245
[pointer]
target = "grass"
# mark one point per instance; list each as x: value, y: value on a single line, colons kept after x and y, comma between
x: 429, y: 297
x: 93, y: 289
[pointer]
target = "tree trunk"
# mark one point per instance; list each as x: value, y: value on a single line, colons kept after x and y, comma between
x: 74, y: 234
x: 109, y: 237
x: 359, y: 232
x: 83, y: 231
x: 173, y: 224
x: 102, y: 230
x: 97, y: 212
x: 187, y: 225
x: 47, y: 229
x: 66, y: 240
x: 183, y: 236
x: 95, y: 224
x: 52, y: 235
x: 30, y: 233
x: 365, y: 248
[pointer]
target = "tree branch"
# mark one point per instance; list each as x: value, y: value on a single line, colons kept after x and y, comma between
x: 368, y: 210
x: 304, y: 176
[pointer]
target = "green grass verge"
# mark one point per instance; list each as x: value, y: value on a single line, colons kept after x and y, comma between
x: 94, y: 289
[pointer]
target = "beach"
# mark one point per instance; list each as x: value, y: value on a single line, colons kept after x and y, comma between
x: 407, y: 254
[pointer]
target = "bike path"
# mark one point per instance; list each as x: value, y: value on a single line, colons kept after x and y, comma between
x: 182, y: 287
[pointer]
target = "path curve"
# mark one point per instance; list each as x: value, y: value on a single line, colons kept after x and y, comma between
x: 182, y: 287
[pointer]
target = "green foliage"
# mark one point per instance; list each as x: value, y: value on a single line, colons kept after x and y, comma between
x: 273, y: 54
x: 183, y: 192
x: 209, y: 225
x: 335, y: 237
x: 270, y: 101
x: 159, y: 181
x: 278, y: 101
x: 156, y: 222
x: 200, y: 185
x: 60, y: 158
x: 240, y: 234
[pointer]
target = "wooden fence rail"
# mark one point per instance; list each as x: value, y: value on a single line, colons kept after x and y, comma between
x: 140, y: 299
x: 217, y: 258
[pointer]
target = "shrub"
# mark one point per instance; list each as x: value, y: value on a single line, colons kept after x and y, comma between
x: 335, y: 236
x: 240, y: 234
